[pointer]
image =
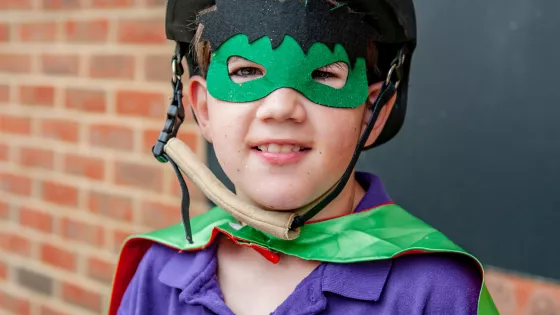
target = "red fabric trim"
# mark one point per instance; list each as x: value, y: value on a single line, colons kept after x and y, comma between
x: 266, y: 253
x: 410, y: 252
x: 130, y: 257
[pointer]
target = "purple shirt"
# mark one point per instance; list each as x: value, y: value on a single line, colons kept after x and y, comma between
x: 172, y: 282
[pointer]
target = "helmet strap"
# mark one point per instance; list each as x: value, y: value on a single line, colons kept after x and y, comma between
x: 388, y: 90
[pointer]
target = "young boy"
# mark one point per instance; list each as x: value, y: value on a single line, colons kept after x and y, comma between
x: 289, y: 92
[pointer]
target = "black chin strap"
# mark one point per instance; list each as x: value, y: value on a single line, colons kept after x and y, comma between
x: 388, y: 90
x: 175, y: 117
x: 185, y: 200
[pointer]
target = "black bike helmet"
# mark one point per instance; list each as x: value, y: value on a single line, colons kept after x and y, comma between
x: 393, y: 20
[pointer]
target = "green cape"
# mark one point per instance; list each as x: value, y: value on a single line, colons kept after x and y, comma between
x: 383, y: 232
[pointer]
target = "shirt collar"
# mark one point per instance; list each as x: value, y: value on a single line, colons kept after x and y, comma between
x: 188, y: 271
x: 375, y: 195
x: 360, y: 281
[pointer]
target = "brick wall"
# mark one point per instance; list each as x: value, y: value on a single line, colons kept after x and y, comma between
x: 84, y: 86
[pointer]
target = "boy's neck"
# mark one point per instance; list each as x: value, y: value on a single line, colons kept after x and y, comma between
x: 345, y: 203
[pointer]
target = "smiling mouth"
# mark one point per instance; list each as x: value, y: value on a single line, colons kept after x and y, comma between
x: 280, y: 148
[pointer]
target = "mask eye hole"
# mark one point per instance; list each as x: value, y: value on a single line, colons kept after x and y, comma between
x: 333, y: 75
x: 241, y: 70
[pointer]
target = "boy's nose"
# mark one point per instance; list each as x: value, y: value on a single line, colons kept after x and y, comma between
x: 282, y: 104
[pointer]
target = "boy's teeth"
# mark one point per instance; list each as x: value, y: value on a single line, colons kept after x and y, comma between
x: 286, y: 148
x: 279, y: 148
x: 274, y: 148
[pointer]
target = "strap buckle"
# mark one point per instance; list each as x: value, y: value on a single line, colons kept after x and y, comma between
x: 176, y: 110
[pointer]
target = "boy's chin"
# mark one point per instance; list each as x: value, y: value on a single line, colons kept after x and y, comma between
x: 280, y: 201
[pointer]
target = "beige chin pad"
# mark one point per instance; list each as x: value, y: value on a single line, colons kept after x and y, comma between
x: 275, y: 223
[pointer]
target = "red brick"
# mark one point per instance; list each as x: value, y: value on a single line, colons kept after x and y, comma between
x: 15, y: 4
x: 139, y: 175
x: 84, y: 166
x: 112, y: 67
x: 35, y: 219
x: 47, y: 310
x: 15, y: 124
x: 14, y: 244
x: 4, y: 93
x: 82, y: 232
x: 59, y: 129
x: 58, y: 257
x: 142, y: 31
x: 86, y: 100
x: 157, y: 215
x: 82, y: 297
x: 157, y: 68
x: 111, y: 136
x: 142, y: 104
x: 4, y: 32
x: 100, y: 270
x: 15, y: 304
x: 15, y: 63
x: 543, y: 302
x: 60, y: 64
x: 119, y: 236
x: 37, y: 32
x: 40, y: 158
x: 4, y: 210
x: 4, y: 152
x: 3, y: 270
x: 37, y: 95
x: 15, y: 184
x: 62, y: 4
x: 86, y: 31
x: 60, y: 194
x: 105, y: 4
x: 150, y: 136
x: 107, y: 205
x: 155, y: 3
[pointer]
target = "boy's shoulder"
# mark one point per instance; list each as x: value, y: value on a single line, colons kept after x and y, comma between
x: 438, y: 271
x: 420, y: 283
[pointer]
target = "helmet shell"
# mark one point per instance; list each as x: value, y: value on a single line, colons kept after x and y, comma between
x: 394, y: 20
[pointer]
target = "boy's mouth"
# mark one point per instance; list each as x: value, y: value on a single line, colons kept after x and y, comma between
x: 281, y: 151
x: 280, y: 148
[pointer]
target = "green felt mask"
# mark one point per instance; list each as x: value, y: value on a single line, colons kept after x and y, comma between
x: 287, y: 66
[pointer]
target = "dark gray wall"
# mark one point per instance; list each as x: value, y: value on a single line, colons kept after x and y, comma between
x: 479, y: 155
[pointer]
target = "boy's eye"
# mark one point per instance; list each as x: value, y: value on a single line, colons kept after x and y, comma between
x: 247, y: 72
x: 242, y: 70
x: 321, y: 75
x: 333, y: 75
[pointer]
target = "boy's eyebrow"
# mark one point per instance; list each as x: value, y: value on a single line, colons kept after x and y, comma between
x: 235, y: 58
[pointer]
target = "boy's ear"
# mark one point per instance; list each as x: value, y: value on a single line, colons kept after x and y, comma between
x: 373, y: 93
x: 196, y: 93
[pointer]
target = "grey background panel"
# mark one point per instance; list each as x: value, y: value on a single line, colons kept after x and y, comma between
x: 479, y: 154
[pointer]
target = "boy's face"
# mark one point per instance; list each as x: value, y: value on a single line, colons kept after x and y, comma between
x: 282, y: 151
